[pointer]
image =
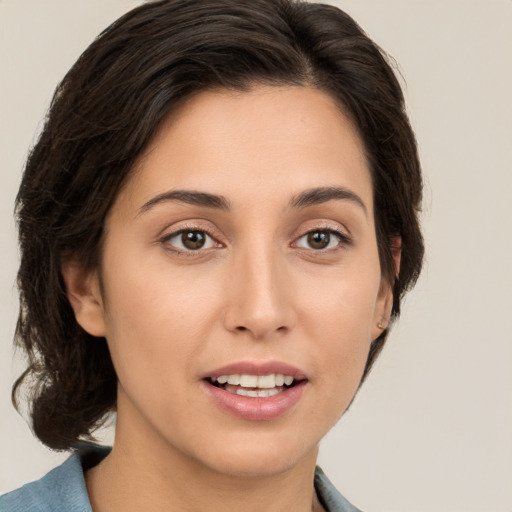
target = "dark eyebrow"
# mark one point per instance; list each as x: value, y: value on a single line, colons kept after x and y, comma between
x: 190, y: 197
x: 320, y: 195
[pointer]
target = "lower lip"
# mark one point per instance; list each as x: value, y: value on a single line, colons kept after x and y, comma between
x: 257, y: 408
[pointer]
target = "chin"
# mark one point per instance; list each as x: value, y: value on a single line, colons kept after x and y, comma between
x: 258, y: 458
x: 249, y: 469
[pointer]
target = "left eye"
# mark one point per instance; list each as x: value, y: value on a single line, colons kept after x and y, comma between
x: 319, y: 240
x: 190, y: 240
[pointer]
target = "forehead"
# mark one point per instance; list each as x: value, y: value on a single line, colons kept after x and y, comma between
x: 269, y: 141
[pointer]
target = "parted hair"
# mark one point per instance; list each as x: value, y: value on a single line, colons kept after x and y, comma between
x: 106, y: 110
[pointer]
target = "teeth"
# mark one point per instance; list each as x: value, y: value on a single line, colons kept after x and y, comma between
x: 234, y: 380
x: 256, y: 381
x: 264, y: 393
x: 267, y: 381
x: 268, y: 392
x: 247, y: 392
x: 249, y: 381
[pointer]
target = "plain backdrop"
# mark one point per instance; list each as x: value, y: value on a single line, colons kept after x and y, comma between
x: 431, y: 429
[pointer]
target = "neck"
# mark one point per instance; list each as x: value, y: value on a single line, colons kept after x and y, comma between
x: 138, y: 476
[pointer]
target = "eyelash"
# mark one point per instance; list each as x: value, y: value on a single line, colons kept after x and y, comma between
x: 165, y: 240
x: 343, y: 240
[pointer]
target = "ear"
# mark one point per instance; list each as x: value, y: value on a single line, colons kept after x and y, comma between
x: 84, y: 294
x: 385, y: 297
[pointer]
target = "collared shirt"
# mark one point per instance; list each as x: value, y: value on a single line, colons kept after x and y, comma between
x: 63, y: 489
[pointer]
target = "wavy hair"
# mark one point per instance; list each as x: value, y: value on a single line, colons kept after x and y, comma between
x: 107, y: 109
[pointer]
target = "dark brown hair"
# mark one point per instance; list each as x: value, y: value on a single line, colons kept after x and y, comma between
x: 107, y: 109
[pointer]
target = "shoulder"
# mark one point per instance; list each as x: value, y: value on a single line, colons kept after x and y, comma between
x: 63, y: 488
x: 329, y: 496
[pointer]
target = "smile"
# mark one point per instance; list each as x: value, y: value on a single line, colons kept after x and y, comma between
x: 256, y: 390
x: 254, y: 386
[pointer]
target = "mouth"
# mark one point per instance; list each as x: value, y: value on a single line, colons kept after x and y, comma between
x: 254, y: 386
x: 256, y: 390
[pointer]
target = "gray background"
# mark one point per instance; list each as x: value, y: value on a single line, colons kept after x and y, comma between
x: 431, y: 429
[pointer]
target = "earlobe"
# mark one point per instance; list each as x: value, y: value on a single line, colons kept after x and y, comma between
x: 385, y: 299
x: 383, y: 309
x: 84, y: 294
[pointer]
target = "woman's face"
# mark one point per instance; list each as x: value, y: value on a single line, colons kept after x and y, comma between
x: 243, y: 245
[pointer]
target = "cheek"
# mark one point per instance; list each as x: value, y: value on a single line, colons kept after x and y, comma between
x: 344, y: 341
x: 339, y: 316
x: 156, y: 318
x: 342, y: 303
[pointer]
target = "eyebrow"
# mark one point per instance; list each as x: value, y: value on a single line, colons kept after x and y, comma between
x: 189, y: 197
x: 321, y: 195
x: 307, y: 198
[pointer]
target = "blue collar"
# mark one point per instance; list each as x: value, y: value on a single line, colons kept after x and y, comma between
x: 64, y: 489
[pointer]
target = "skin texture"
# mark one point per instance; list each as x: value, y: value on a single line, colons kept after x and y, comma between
x: 256, y: 291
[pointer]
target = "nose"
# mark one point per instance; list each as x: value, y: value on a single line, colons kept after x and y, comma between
x: 259, y: 296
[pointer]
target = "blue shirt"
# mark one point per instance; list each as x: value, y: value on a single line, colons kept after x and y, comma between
x: 63, y: 489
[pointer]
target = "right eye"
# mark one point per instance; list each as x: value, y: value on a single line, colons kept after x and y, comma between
x: 188, y: 240
x: 322, y: 240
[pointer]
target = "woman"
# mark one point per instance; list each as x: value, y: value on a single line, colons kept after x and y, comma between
x: 217, y: 225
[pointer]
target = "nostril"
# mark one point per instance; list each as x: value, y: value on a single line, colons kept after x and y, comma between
x: 241, y: 328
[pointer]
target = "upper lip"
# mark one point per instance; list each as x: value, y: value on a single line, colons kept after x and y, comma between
x: 257, y: 368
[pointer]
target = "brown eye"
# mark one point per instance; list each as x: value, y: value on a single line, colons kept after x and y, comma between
x: 193, y: 240
x: 320, y: 240
x: 190, y: 240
